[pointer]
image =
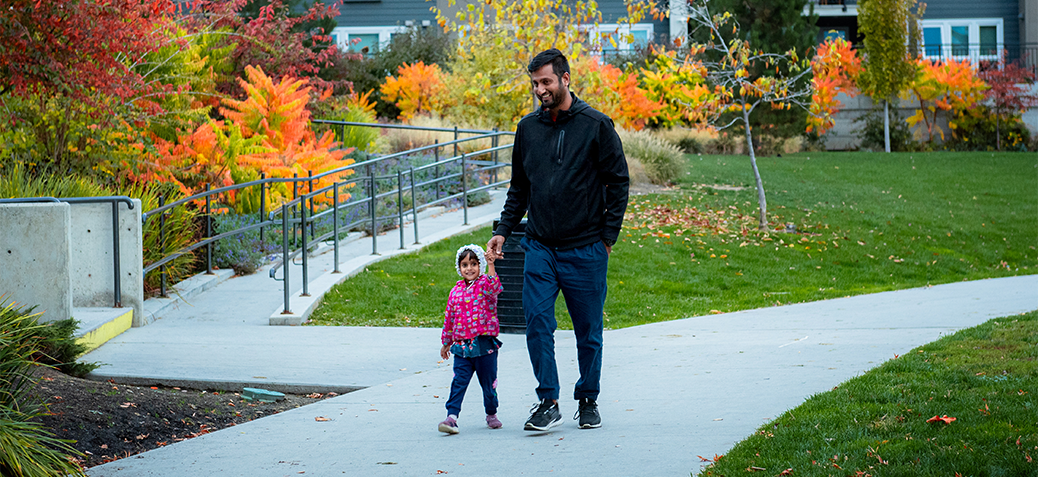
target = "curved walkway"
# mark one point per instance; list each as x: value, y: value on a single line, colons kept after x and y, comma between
x: 671, y: 391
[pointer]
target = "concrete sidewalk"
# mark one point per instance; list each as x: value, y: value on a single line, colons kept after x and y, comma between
x: 220, y: 338
x: 671, y: 391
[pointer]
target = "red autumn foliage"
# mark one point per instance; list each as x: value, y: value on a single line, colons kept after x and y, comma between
x: 268, y: 41
x: 78, y: 48
x: 1007, y: 92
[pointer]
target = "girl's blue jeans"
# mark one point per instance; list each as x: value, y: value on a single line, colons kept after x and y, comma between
x: 580, y: 274
x: 485, y: 369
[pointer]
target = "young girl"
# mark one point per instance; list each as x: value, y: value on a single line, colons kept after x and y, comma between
x: 470, y: 330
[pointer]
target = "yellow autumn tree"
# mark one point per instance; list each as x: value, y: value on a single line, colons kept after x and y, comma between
x: 498, y: 38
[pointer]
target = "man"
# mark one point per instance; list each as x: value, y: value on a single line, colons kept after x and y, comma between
x: 569, y: 173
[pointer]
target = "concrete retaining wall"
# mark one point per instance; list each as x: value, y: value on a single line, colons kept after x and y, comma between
x: 92, y: 267
x: 59, y: 256
x: 843, y: 135
x: 35, y: 257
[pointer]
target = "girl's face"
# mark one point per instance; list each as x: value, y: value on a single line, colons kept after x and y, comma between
x: 469, y: 268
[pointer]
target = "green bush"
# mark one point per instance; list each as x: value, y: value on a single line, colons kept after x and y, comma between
x: 364, y: 139
x: 180, y: 231
x: 26, y: 447
x: 871, y: 132
x: 979, y: 131
x: 16, y: 180
x: 63, y: 136
x: 59, y: 348
x: 662, y: 160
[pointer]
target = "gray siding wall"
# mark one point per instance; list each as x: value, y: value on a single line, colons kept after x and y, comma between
x: 396, y: 12
x: 384, y: 13
x: 1008, y: 10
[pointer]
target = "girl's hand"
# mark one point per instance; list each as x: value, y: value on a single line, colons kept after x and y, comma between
x: 445, y: 351
x: 490, y: 256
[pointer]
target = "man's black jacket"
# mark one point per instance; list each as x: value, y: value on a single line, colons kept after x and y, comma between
x: 570, y: 175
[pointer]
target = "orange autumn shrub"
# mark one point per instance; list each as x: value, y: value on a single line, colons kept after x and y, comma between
x: 836, y: 67
x: 615, y: 93
x: 267, y: 133
x: 277, y: 112
x: 415, y: 90
x: 951, y: 86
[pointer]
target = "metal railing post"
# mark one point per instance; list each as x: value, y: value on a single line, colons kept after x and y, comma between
x: 371, y: 211
x: 208, y: 230
x: 436, y: 169
x: 494, y: 144
x: 285, y: 252
x: 115, y: 255
x: 335, y: 224
x: 295, y: 195
x: 306, y: 250
x: 400, y: 204
x: 162, y: 247
x: 310, y: 191
x: 455, y: 141
x: 464, y: 191
x: 414, y: 206
x: 263, y: 202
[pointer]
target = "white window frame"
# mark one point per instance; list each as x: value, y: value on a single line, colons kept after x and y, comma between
x: 385, y: 33
x: 620, y: 31
x: 974, y: 24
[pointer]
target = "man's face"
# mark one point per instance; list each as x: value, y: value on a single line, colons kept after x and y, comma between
x: 548, y: 88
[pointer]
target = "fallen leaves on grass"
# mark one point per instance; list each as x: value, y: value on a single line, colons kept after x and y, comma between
x: 945, y: 418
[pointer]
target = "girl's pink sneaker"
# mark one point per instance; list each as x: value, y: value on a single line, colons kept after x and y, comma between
x: 493, y: 422
x: 449, y: 426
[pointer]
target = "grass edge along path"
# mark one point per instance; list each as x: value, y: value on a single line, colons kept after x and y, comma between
x: 964, y: 405
x: 865, y: 223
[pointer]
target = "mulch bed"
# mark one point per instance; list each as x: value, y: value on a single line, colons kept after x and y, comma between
x: 111, y: 421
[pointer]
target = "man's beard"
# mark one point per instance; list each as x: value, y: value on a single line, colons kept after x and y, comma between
x: 554, y: 99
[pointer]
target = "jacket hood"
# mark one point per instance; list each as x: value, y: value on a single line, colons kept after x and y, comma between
x: 575, y: 108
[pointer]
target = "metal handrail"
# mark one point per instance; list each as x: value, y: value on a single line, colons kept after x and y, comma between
x: 114, y: 200
x: 373, y: 220
x: 300, y: 210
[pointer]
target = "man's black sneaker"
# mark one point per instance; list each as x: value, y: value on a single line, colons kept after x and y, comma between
x: 587, y: 413
x: 544, y: 415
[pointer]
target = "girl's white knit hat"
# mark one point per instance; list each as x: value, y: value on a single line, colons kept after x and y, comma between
x: 479, y: 255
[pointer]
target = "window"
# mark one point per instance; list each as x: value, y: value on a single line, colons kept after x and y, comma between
x: 932, y: 41
x: 978, y: 39
x: 835, y: 33
x: 988, y: 40
x: 355, y: 39
x: 641, y: 34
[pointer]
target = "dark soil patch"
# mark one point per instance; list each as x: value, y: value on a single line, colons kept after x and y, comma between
x: 111, y: 421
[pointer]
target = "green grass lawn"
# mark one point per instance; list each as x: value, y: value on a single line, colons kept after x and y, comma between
x: 866, y: 222
x: 882, y: 423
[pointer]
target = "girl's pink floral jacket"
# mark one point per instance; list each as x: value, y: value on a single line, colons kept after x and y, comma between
x: 472, y: 310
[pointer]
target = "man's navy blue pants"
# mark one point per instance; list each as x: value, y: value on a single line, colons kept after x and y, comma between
x: 580, y: 274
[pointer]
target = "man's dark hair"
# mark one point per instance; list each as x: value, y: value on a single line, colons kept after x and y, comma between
x: 559, y: 64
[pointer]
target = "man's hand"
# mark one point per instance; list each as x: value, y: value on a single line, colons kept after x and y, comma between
x: 494, y: 247
x: 609, y: 248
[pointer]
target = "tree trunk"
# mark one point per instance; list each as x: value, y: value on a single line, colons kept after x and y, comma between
x: 998, y: 131
x: 761, y: 200
x: 886, y: 125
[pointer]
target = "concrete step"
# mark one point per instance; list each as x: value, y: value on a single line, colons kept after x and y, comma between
x: 98, y: 325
